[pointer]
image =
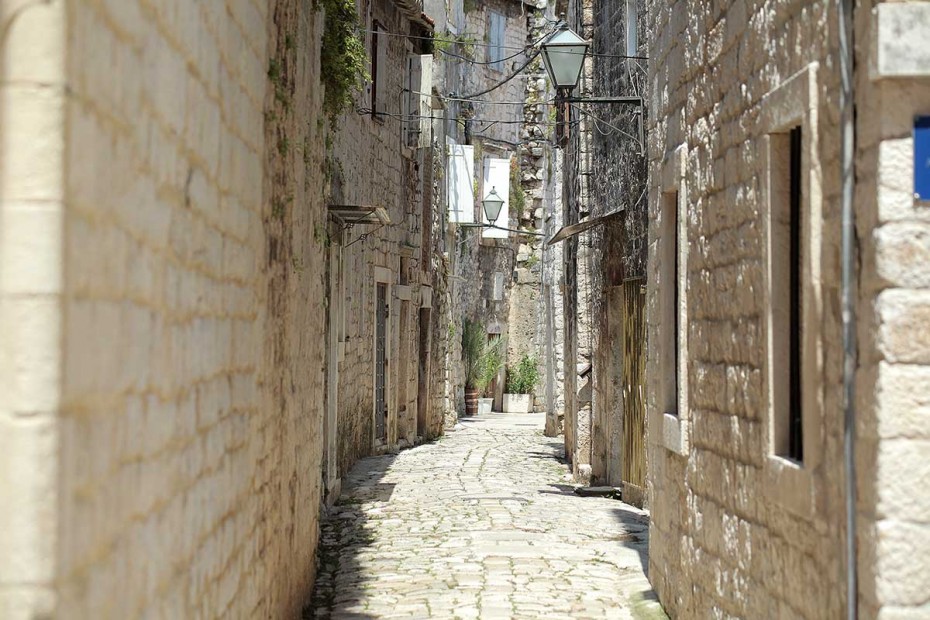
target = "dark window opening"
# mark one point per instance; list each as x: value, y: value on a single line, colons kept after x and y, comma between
x: 795, y: 427
x: 378, y: 52
x: 671, y: 300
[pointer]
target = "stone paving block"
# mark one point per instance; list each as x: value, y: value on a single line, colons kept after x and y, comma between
x: 475, y: 562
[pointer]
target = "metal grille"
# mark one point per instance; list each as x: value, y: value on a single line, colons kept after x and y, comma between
x: 380, y: 361
x: 634, y: 367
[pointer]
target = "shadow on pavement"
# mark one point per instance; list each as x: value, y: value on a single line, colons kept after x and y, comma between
x: 637, y: 527
x: 560, y: 489
x: 547, y: 456
x: 341, y: 582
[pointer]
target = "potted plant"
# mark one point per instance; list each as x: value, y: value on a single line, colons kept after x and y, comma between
x: 482, y: 360
x: 491, y: 363
x: 521, y: 381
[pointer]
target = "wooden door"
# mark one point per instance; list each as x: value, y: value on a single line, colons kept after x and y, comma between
x: 633, y: 469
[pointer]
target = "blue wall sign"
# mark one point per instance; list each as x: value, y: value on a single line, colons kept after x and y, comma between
x: 922, y: 157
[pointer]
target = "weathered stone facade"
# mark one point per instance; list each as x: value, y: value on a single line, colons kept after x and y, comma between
x: 372, y: 163
x: 535, y: 313
x: 577, y: 256
x: 495, y: 281
x: 736, y: 529
x: 607, y: 180
x: 161, y: 364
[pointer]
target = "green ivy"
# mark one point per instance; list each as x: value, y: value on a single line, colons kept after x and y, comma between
x: 448, y: 41
x: 343, y: 60
x: 517, y: 196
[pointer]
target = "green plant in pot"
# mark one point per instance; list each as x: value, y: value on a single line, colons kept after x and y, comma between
x: 493, y: 361
x: 521, y: 381
x: 482, y: 360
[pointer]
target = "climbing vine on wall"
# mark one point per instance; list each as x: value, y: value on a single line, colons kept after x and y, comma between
x: 517, y: 196
x: 343, y: 59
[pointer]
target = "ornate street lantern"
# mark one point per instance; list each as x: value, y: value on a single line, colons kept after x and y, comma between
x: 564, y: 53
x: 492, y: 204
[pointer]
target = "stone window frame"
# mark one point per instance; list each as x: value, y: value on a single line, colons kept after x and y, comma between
x: 381, y: 275
x: 675, y: 427
x: 794, y: 103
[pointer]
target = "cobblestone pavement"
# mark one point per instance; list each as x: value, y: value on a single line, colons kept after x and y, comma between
x: 480, y: 524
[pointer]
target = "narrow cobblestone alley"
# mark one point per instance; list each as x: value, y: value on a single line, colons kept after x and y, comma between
x: 480, y: 524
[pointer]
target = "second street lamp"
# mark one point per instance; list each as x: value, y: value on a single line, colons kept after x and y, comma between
x: 492, y: 204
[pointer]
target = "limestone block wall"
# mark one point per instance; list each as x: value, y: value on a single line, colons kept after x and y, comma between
x: 171, y: 370
x: 735, y: 530
x: 618, y: 184
x: 479, y: 76
x: 576, y: 261
x: 32, y: 214
x: 370, y: 166
x: 532, y: 324
x: 893, y: 87
x: 494, y: 131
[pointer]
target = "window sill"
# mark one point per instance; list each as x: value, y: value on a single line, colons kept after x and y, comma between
x: 675, y: 434
x: 790, y: 485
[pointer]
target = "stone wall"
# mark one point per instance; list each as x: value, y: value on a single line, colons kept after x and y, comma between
x: 751, y: 532
x: 617, y: 185
x: 494, y: 130
x: 725, y: 519
x: 894, y: 339
x: 576, y: 260
x: 532, y: 325
x: 370, y: 166
x: 33, y: 76
x: 175, y: 326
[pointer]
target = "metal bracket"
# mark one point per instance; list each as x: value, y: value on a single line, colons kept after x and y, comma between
x: 363, y: 236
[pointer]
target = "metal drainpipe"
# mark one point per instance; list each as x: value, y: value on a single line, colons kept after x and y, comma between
x: 848, y: 258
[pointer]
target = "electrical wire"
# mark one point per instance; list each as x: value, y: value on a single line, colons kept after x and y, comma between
x: 480, y: 62
x: 362, y: 111
x: 523, y: 50
x: 505, y: 80
x: 503, y: 47
x: 487, y: 101
x: 600, y: 120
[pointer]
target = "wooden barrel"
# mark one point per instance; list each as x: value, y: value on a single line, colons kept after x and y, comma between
x: 471, y: 401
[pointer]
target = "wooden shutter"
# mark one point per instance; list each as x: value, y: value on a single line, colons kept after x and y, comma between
x: 460, y: 184
x: 417, y: 108
x: 496, y: 23
x: 497, y: 175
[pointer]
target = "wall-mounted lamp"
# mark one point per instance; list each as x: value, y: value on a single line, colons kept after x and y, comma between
x: 492, y: 205
x: 563, y: 54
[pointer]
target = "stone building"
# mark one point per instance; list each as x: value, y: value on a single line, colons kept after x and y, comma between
x: 745, y: 397
x: 604, y: 250
x: 380, y: 243
x: 572, y: 138
x: 177, y: 279
x: 156, y: 432
x: 536, y: 310
x: 494, y: 277
x: 610, y: 175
